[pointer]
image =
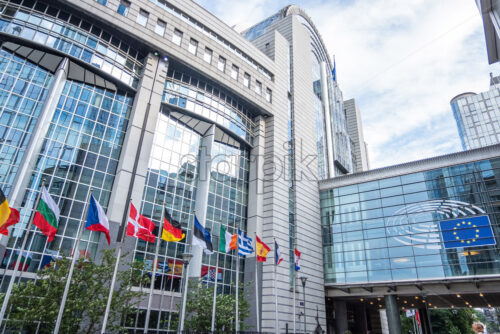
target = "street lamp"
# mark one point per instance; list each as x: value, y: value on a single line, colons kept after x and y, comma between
x: 303, y: 279
x: 186, y: 257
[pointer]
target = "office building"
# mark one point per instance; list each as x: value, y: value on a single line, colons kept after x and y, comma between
x: 355, y: 131
x: 478, y: 116
x: 162, y: 103
x: 420, y: 235
x: 490, y: 13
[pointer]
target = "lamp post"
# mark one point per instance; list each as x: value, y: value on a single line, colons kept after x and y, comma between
x: 303, y: 279
x: 186, y: 257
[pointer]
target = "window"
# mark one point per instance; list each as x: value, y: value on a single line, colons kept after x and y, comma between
x: 102, y: 2
x: 160, y: 27
x: 234, y: 72
x: 177, y: 37
x: 258, y: 87
x: 142, y: 18
x: 269, y: 95
x: 246, y: 80
x: 123, y: 7
x: 193, y: 46
x: 208, y: 55
x: 221, y: 65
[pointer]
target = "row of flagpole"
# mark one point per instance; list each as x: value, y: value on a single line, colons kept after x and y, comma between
x: 241, y: 241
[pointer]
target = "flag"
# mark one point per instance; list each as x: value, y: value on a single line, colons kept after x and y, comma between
x: 202, y: 238
x: 24, y: 263
x: 244, y: 244
x: 226, y: 240
x: 96, y: 219
x: 277, y: 254
x: 172, y: 230
x: 139, y: 226
x: 4, y: 209
x: 417, y: 316
x: 12, y: 220
x: 297, y: 260
x: 48, y: 258
x: 334, y: 71
x: 262, y: 250
x: 467, y: 232
x: 47, y: 215
x: 175, y: 267
x: 208, y: 273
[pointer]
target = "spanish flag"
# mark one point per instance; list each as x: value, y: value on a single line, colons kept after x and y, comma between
x: 4, y: 209
x: 262, y: 250
x: 172, y: 230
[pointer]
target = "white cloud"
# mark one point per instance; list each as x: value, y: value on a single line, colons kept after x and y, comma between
x: 402, y: 61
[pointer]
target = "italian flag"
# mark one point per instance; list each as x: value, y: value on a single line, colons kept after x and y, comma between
x: 47, y: 215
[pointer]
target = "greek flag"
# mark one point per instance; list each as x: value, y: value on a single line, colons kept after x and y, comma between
x: 244, y: 244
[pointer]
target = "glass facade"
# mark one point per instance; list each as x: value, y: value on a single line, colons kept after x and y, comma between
x: 23, y: 89
x: 209, y: 101
x: 389, y: 229
x: 80, y: 152
x: 69, y: 33
x: 478, y: 117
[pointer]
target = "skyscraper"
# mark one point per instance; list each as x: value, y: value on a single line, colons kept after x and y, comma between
x: 490, y: 13
x: 355, y: 130
x: 478, y: 116
x: 160, y: 102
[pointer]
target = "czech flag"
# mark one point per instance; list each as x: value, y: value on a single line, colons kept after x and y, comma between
x: 277, y: 254
x: 297, y: 260
x: 262, y: 250
x: 96, y: 219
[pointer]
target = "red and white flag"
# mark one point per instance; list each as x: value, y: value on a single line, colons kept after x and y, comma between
x: 139, y: 226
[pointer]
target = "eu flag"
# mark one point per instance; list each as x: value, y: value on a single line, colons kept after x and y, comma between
x: 467, y: 232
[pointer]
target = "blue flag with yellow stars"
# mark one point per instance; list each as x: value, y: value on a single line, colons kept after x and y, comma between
x: 467, y: 232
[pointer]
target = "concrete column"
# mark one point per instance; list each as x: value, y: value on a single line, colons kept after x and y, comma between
x: 340, y: 317
x: 130, y: 176
x: 201, y: 201
x: 34, y: 146
x: 393, y: 318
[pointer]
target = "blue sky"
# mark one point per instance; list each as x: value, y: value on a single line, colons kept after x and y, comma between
x: 403, y: 61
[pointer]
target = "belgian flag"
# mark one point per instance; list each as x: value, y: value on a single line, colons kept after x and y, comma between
x: 172, y: 230
x: 8, y: 216
x: 4, y: 209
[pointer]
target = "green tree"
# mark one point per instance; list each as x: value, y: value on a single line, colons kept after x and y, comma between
x: 446, y: 321
x: 35, y: 304
x: 199, y: 310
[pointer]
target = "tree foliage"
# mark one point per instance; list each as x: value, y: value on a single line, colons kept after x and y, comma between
x: 199, y: 310
x: 446, y: 321
x: 35, y: 304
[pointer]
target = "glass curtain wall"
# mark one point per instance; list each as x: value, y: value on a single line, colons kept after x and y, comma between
x: 389, y: 229
x: 80, y: 152
x: 23, y: 89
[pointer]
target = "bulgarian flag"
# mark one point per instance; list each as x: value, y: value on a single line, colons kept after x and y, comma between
x: 47, y: 215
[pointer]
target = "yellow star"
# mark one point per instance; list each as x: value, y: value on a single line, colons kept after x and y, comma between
x: 469, y: 223
x: 463, y: 223
x: 455, y: 227
x: 454, y: 233
x: 477, y: 235
x: 458, y: 238
x: 462, y: 241
x: 474, y: 226
x: 468, y: 241
x: 473, y: 240
x: 477, y: 231
x: 458, y: 224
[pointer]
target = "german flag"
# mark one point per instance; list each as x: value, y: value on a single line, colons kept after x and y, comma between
x: 4, y: 209
x: 172, y: 230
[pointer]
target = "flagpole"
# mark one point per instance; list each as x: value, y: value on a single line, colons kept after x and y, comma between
x: 152, y: 285
x: 72, y: 267
x: 237, y: 325
x: 186, y: 280
x: 257, y: 287
x: 277, y: 326
x: 214, y: 299
x: 113, y: 280
x: 16, y: 266
x: 294, y: 301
